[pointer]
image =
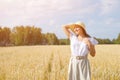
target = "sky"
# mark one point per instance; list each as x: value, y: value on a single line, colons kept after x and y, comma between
x: 101, y: 17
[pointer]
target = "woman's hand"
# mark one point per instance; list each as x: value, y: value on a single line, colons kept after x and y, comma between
x: 65, y: 29
x: 91, y: 47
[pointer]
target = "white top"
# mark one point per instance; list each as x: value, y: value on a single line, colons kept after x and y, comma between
x: 79, y: 48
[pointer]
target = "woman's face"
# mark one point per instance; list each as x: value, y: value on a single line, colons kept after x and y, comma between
x: 77, y: 30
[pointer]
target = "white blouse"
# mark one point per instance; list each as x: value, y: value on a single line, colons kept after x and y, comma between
x: 79, y: 48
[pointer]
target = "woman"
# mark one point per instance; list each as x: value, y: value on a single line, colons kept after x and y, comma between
x: 81, y: 44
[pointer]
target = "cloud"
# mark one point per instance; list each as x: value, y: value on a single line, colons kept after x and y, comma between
x: 15, y: 12
x: 51, y: 23
x: 44, y: 7
x: 32, y: 9
x: 91, y: 22
x: 51, y: 14
x: 109, y: 6
x: 109, y: 21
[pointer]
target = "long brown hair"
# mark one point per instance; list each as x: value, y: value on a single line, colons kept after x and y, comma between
x: 84, y: 32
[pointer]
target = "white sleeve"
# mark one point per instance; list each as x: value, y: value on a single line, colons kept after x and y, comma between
x: 72, y: 34
x: 93, y: 41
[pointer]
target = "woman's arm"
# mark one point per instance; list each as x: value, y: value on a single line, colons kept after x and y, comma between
x: 65, y: 29
x: 92, y: 50
x: 91, y: 47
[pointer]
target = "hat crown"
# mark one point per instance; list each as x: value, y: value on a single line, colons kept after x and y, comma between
x: 81, y: 24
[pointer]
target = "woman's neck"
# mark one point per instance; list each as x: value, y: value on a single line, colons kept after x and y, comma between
x: 81, y: 36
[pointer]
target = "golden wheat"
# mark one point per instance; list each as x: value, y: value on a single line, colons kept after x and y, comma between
x: 51, y: 63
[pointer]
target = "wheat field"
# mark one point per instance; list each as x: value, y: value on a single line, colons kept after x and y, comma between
x: 51, y: 62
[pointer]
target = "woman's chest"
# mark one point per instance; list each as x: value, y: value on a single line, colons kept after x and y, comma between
x: 77, y: 43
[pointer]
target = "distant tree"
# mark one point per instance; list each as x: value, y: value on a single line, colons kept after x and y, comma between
x: 50, y: 39
x: 44, y: 40
x: 17, y: 35
x: 64, y: 41
x: 4, y: 36
x: 104, y: 41
x: 117, y: 40
x: 26, y: 35
x: 1, y: 37
x: 36, y: 35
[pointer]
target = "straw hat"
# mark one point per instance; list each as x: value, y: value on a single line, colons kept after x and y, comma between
x: 80, y: 24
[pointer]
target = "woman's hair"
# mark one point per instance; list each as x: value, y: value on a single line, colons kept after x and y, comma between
x: 83, y: 29
x: 84, y: 32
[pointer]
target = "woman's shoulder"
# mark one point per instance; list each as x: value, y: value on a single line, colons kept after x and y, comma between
x: 93, y: 40
x: 90, y: 39
x: 87, y: 38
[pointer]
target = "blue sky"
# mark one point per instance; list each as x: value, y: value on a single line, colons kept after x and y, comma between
x: 101, y: 17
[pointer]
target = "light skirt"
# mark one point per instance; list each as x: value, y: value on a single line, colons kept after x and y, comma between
x: 79, y: 69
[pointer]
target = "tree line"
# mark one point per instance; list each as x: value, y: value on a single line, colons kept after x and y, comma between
x: 26, y: 35
x: 31, y: 35
x: 100, y: 41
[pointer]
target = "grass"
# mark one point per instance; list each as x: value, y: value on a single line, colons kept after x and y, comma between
x: 51, y: 63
